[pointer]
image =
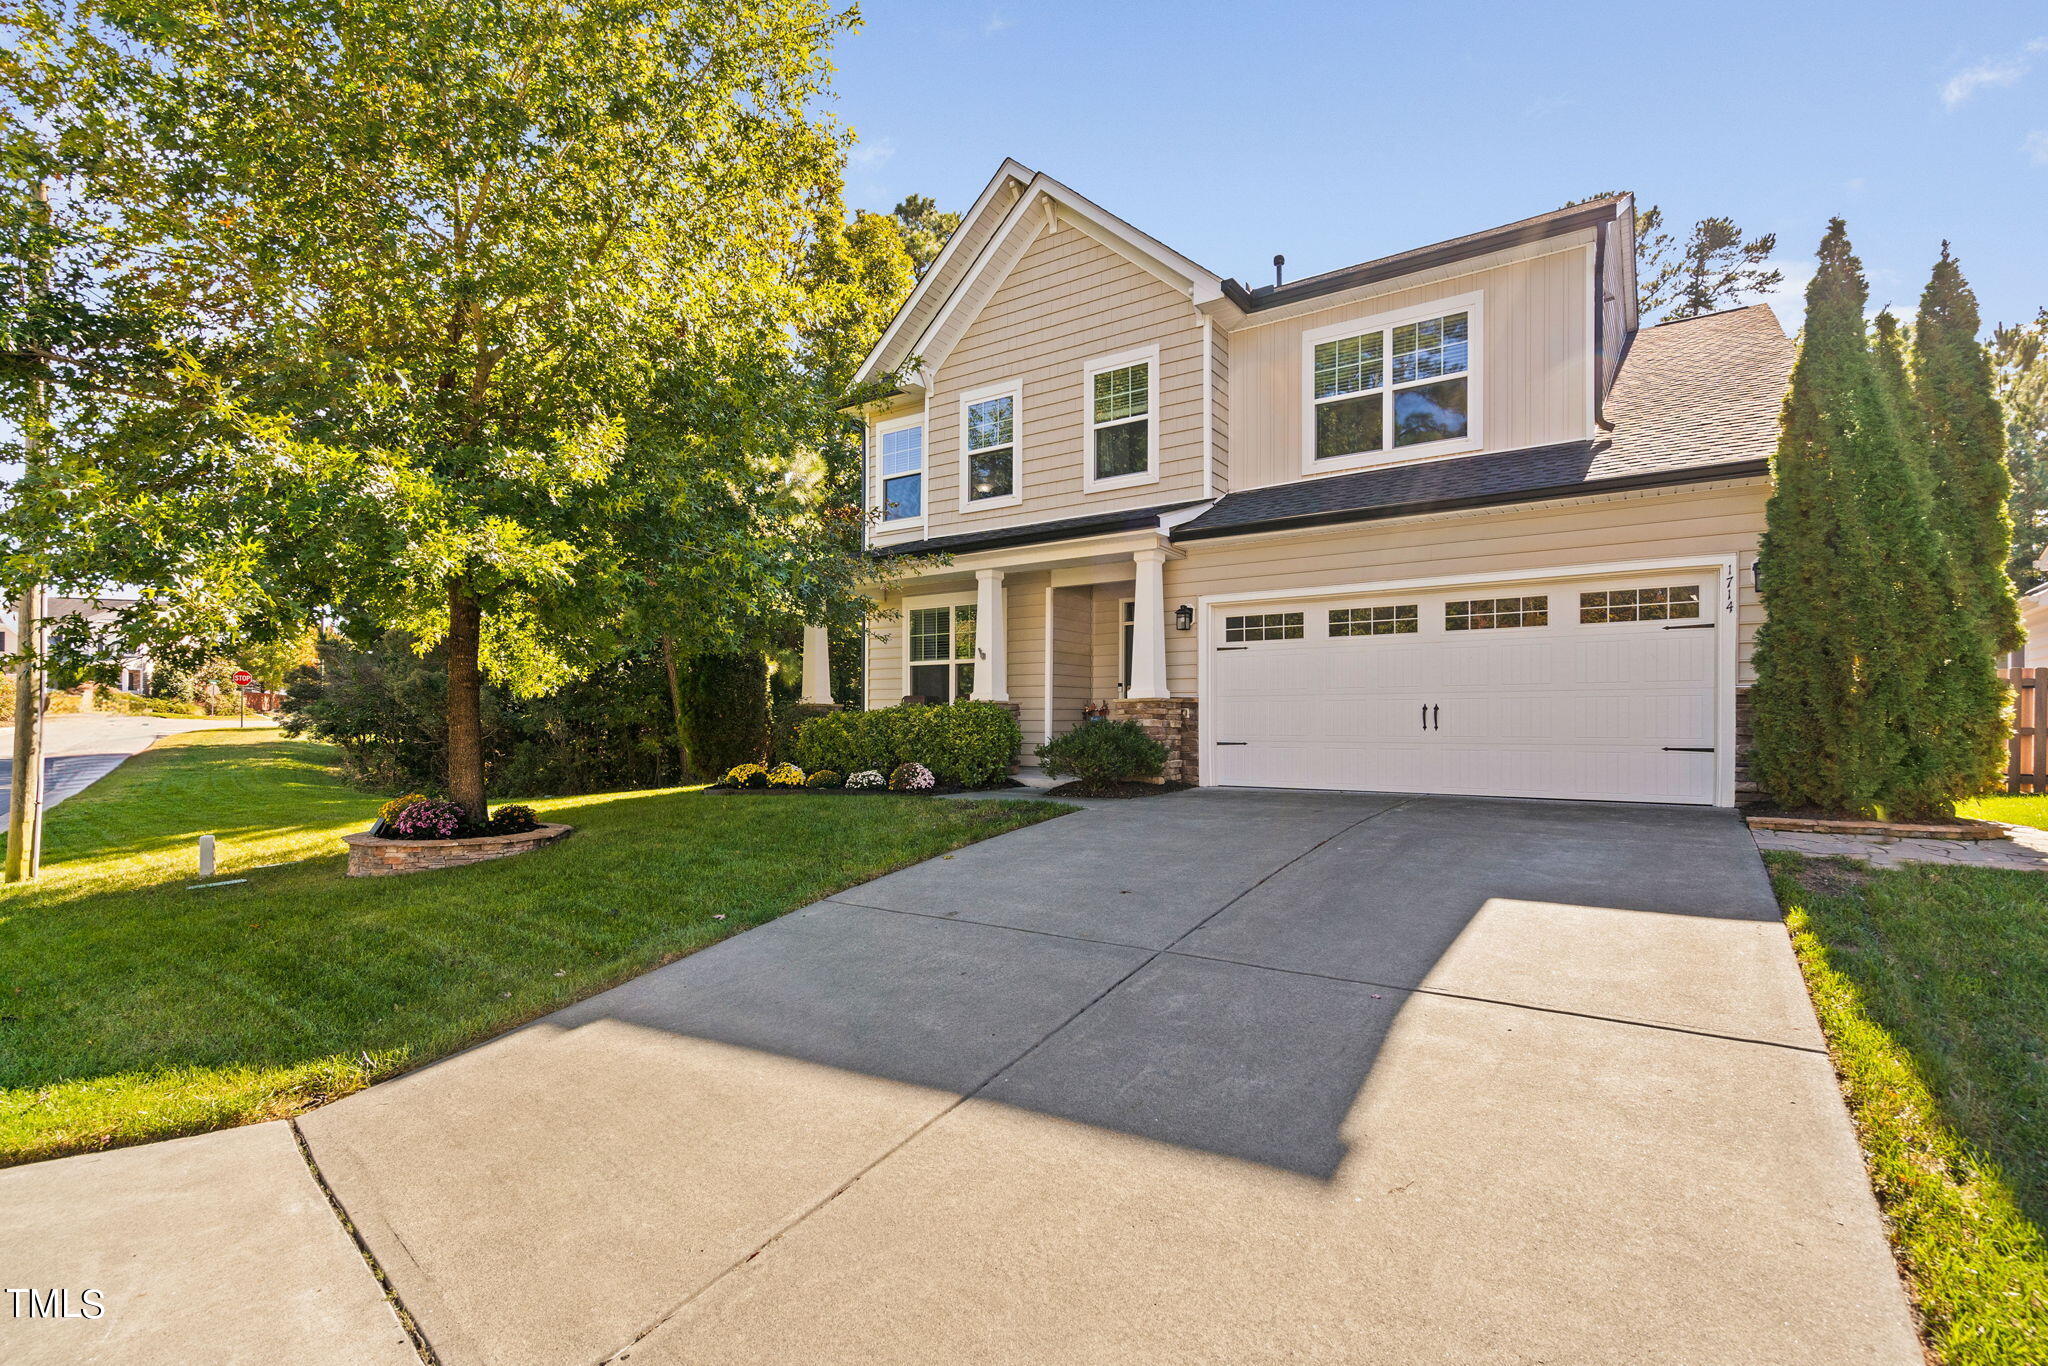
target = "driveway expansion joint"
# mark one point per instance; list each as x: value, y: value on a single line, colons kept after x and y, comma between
x: 420, y: 1345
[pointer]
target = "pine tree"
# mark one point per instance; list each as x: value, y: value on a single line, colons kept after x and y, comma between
x: 1956, y: 720
x: 1805, y: 716
x: 1966, y: 449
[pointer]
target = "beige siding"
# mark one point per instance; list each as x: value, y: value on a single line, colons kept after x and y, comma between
x: 1720, y: 521
x: 1073, y: 626
x: 1534, y: 354
x: 884, y: 683
x: 1024, y: 603
x: 971, y: 238
x: 1067, y: 300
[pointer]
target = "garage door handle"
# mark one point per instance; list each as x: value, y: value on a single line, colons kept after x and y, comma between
x: 1232, y: 742
x: 1436, y: 719
x: 1221, y: 648
x: 1693, y: 626
x: 1425, y: 716
x: 1688, y: 749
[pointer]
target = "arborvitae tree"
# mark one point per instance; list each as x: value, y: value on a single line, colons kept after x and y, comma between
x: 1805, y: 715
x: 2019, y: 361
x: 1957, y: 719
x: 725, y: 710
x: 1966, y: 450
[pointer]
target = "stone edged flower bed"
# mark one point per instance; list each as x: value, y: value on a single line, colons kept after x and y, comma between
x: 374, y: 856
x: 1938, y: 830
x: 937, y: 790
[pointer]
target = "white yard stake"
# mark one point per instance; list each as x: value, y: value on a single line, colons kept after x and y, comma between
x: 206, y: 856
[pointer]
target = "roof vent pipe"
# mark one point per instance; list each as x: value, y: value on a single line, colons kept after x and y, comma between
x: 1278, y: 262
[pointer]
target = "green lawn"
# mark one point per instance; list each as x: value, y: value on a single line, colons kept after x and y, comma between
x: 133, y: 1007
x: 1932, y: 985
x: 2011, y: 810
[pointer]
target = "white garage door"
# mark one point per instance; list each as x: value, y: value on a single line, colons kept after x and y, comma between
x: 1599, y: 689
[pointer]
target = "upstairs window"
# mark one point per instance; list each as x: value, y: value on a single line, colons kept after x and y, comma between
x: 988, y: 446
x: 1378, y: 390
x: 902, y: 470
x: 1122, y: 394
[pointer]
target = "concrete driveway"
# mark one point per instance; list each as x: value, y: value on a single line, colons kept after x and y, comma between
x: 1220, y: 1077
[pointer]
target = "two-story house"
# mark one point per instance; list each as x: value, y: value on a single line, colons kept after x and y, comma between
x: 1447, y: 521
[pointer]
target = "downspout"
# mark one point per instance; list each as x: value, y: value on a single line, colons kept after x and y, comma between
x: 1600, y: 326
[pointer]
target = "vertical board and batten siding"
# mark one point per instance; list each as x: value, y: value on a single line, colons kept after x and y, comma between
x: 1067, y: 299
x: 1724, y: 520
x: 1534, y: 355
x: 1219, y: 409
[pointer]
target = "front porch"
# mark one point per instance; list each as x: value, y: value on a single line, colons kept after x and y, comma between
x: 1062, y: 632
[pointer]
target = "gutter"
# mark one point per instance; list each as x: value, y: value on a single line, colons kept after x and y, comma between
x: 1695, y: 474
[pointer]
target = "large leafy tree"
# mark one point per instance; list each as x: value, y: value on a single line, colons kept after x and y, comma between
x: 925, y: 227
x: 2019, y: 370
x: 1952, y: 378
x: 473, y: 318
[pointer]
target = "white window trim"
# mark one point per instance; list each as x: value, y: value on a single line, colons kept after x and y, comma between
x: 1149, y: 355
x: 924, y: 502
x: 1472, y: 305
x: 1014, y: 391
x: 910, y: 605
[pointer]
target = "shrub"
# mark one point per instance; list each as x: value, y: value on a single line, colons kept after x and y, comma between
x: 825, y: 777
x: 725, y: 710
x: 398, y: 804
x: 512, y: 820
x: 911, y: 778
x: 968, y: 743
x: 429, y: 818
x: 785, y: 775
x: 746, y: 775
x: 783, y: 724
x: 383, y: 706
x: 1100, y: 753
x: 865, y: 781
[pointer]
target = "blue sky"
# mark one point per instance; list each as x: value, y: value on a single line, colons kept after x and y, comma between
x: 1336, y: 132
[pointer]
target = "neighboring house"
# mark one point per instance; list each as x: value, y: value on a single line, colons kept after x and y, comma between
x: 2034, y: 621
x: 1445, y: 521
x: 133, y: 671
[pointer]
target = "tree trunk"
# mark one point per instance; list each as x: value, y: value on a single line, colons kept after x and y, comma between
x: 465, y: 701
x: 675, y: 706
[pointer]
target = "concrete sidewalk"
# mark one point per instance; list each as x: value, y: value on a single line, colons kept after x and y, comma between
x: 1217, y: 1077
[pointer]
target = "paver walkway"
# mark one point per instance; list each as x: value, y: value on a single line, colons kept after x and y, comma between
x: 1216, y: 1077
x: 2026, y: 851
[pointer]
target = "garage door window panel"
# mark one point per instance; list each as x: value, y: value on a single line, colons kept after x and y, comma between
x: 1263, y: 626
x: 1398, y: 620
x: 1496, y: 614
x: 1675, y: 602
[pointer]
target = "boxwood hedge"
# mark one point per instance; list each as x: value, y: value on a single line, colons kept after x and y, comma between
x: 968, y: 744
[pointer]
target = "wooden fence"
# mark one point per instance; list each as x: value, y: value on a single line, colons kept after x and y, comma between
x: 2026, y: 767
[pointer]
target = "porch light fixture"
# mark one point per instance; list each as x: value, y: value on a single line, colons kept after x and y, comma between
x: 1183, y: 618
x: 1756, y: 573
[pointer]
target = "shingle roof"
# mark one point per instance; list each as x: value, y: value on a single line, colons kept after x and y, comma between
x: 1696, y: 399
x: 1065, y: 529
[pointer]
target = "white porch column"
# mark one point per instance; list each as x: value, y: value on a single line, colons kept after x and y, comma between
x: 817, y: 667
x: 1148, y: 627
x: 991, y: 638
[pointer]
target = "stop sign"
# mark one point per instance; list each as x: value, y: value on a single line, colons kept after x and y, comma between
x: 243, y: 678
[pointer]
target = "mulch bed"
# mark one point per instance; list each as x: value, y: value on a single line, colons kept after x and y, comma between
x: 1116, y: 790
x: 942, y: 790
